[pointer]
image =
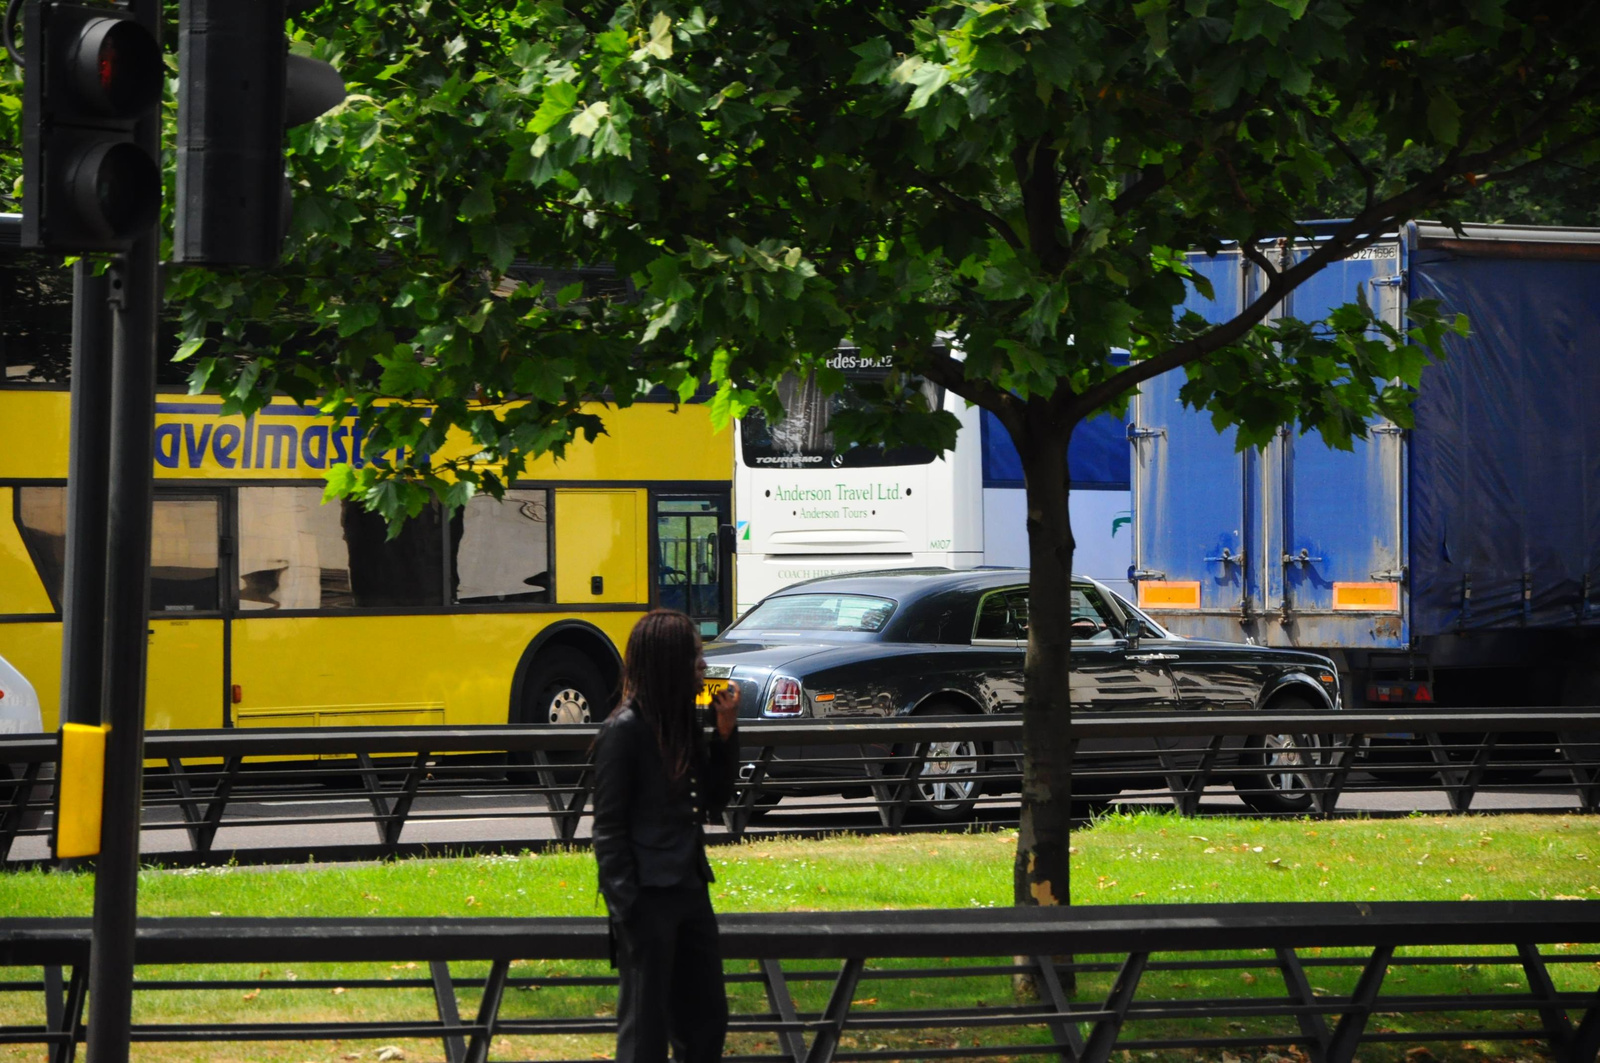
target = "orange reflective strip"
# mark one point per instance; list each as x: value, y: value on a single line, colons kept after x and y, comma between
x: 1169, y: 594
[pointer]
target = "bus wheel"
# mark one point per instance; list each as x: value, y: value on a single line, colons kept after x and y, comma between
x: 567, y: 688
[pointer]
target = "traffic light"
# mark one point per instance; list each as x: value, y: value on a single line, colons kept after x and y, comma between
x: 239, y: 89
x: 93, y: 74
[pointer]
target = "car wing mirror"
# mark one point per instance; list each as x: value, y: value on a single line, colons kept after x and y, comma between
x: 1133, y: 632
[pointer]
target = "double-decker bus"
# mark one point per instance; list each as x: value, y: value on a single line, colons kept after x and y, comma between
x: 807, y: 507
x: 270, y: 608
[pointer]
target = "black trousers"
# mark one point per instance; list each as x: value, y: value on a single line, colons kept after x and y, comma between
x: 671, y: 972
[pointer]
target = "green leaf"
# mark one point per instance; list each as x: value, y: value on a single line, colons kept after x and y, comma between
x: 611, y: 137
x: 660, y: 43
x: 402, y: 374
x: 353, y: 319
x: 478, y: 203
x: 588, y: 120
x: 877, y: 62
x: 558, y: 101
x: 1444, y: 118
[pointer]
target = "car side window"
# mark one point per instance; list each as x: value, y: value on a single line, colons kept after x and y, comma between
x: 1092, y: 618
x: 1002, y: 616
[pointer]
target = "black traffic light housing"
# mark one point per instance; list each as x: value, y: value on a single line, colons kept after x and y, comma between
x: 239, y: 90
x: 93, y: 74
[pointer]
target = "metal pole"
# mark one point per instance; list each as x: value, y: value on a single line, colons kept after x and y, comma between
x: 89, y: 456
x: 136, y: 299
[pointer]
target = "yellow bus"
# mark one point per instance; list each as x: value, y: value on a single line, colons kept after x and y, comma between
x: 272, y: 609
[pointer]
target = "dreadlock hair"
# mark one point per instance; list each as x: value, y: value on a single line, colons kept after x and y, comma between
x: 658, y: 679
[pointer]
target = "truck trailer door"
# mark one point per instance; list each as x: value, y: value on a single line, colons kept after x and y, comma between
x: 1333, y: 529
x: 1191, y: 508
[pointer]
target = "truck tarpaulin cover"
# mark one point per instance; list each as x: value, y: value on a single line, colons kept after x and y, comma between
x: 1097, y: 457
x: 1505, y: 458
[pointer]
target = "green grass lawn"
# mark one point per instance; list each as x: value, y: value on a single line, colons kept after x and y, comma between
x: 1122, y: 859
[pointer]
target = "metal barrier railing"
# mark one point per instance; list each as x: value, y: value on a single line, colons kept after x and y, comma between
x: 1103, y: 980
x: 899, y: 774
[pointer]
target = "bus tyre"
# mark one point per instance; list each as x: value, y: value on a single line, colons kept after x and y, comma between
x: 564, y: 687
x: 567, y: 688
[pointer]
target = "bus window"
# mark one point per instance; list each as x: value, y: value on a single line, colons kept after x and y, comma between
x: 183, y: 547
x: 296, y: 553
x: 501, y: 550
x: 802, y: 439
x: 42, y: 517
x: 183, y: 556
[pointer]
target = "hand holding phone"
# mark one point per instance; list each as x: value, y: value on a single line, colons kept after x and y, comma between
x: 725, y: 709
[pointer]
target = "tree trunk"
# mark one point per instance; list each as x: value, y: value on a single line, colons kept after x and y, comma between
x: 1041, y: 871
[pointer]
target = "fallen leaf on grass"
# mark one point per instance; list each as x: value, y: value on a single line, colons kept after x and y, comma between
x: 1469, y: 896
x: 864, y: 1002
x: 1419, y: 1054
x: 336, y: 990
x: 1247, y: 978
x: 402, y: 967
x: 252, y: 994
x: 388, y: 1052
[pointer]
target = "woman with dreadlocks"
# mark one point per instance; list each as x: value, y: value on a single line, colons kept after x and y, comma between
x: 658, y: 776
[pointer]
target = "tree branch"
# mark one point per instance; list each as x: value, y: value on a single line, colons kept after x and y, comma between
x: 1368, y: 178
x: 995, y: 221
x: 1365, y: 229
x: 943, y: 369
x: 1035, y: 166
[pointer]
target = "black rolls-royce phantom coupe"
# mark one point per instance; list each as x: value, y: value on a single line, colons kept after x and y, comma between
x: 932, y: 642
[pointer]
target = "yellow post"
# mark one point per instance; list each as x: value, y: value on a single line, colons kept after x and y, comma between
x: 80, y: 784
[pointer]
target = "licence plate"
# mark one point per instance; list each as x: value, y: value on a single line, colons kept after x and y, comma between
x: 712, y: 688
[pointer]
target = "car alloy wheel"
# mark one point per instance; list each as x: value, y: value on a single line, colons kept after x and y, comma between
x: 569, y: 705
x: 1282, y: 772
x: 948, y: 782
x: 1286, y: 763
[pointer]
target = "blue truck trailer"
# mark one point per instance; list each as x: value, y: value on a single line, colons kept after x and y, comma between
x: 1455, y: 563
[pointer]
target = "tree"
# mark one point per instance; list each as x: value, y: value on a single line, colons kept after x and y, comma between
x: 1020, y: 177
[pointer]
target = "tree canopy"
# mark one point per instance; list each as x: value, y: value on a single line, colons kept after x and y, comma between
x: 768, y: 181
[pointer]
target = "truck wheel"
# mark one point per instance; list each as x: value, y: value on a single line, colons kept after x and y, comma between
x: 1281, y: 768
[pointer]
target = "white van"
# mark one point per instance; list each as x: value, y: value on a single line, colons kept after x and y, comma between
x: 19, y: 714
x: 19, y: 705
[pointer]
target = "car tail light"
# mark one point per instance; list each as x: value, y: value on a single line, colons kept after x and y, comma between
x: 784, y: 698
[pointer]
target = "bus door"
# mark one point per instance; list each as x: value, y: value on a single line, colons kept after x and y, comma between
x: 694, y: 560
x: 186, y: 684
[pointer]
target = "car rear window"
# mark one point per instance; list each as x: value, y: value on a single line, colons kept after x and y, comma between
x: 817, y: 612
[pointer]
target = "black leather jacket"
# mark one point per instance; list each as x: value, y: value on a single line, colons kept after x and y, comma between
x: 647, y: 827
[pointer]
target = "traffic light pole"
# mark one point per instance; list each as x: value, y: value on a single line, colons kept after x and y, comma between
x: 135, y: 298
x: 89, y: 455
